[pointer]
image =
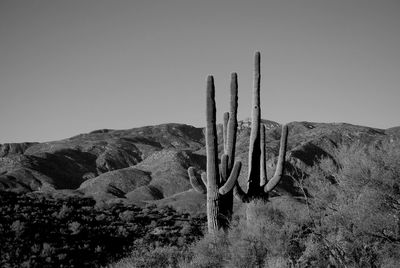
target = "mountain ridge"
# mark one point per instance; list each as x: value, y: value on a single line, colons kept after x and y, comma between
x: 108, y: 165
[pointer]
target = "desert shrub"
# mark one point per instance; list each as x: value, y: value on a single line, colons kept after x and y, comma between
x: 277, y: 262
x: 18, y: 227
x: 74, y: 227
x: 272, y: 236
x: 248, y: 251
x: 211, y: 251
x: 270, y: 239
x: 41, y: 231
x: 355, y: 207
x: 143, y: 256
x: 64, y: 212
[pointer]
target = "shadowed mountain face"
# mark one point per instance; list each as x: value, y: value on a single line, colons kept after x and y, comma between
x: 149, y: 164
x: 66, y: 164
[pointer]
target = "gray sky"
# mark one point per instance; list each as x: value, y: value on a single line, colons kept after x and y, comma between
x: 72, y: 66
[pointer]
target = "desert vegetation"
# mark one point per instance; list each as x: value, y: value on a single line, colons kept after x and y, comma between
x: 348, y: 217
x: 41, y: 231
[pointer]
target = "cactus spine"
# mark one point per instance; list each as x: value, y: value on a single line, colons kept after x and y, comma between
x: 257, y: 185
x: 218, y: 182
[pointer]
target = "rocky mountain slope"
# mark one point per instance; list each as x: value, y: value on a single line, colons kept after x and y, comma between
x: 149, y: 164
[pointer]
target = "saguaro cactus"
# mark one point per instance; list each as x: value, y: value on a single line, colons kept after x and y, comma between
x: 218, y: 182
x: 257, y: 185
x: 228, y: 159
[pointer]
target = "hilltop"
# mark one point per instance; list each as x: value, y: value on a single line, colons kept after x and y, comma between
x: 149, y: 164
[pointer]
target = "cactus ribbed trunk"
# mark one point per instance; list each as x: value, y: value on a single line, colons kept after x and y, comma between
x: 221, y: 181
x: 232, y: 122
x: 218, y: 182
x: 258, y: 188
x: 263, y: 159
x: 212, y: 159
x: 253, y: 181
x: 229, y: 149
x: 225, y: 130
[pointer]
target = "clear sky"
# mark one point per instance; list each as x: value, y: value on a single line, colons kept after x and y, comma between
x: 73, y: 66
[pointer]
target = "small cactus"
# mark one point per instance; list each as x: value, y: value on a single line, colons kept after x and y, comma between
x: 219, y: 181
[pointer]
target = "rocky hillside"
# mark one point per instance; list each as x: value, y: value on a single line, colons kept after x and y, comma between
x: 149, y: 164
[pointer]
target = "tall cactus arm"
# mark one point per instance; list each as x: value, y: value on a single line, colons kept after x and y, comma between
x: 281, y: 162
x: 196, y: 183
x: 232, y: 123
x: 213, y: 209
x: 225, y: 130
x: 263, y: 158
x: 211, y: 137
x: 230, y: 183
x: 253, y: 180
x: 224, y: 168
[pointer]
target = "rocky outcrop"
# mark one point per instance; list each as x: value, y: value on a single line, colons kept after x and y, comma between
x: 115, y: 183
x: 14, y: 148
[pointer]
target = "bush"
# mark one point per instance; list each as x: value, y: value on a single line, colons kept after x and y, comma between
x: 211, y: 251
x: 159, y: 257
x: 352, y: 218
x: 270, y: 239
x: 356, y: 215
